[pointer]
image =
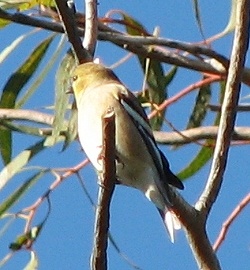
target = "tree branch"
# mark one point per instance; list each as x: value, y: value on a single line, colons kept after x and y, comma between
x: 29, y: 115
x: 67, y: 16
x: 193, y: 223
x: 91, y: 26
x: 106, y: 189
x: 130, y: 43
x: 228, y: 110
x: 168, y: 138
x: 200, y: 133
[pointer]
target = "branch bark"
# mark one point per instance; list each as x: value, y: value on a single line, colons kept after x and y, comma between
x: 162, y: 137
x: 130, y: 43
x: 228, y: 110
x: 91, y: 26
x: 106, y: 189
x: 67, y: 17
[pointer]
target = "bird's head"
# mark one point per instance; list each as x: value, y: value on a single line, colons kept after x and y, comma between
x: 91, y: 75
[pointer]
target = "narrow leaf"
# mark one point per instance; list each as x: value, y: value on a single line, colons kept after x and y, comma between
x: 13, y: 87
x: 19, y: 162
x: 197, y: 163
x: 72, y: 130
x: 19, y: 78
x: 19, y: 192
x: 10, y: 48
x: 156, y: 80
x: 200, y: 108
x: 198, y: 17
x: 5, y: 144
x: 40, y: 77
x: 62, y: 98
x: 205, y: 153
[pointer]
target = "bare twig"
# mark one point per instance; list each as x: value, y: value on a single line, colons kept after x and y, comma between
x: 31, y: 210
x: 228, y: 110
x: 229, y: 221
x: 91, y: 26
x: 200, y: 133
x: 239, y: 108
x: 182, y: 93
x: 163, y: 137
x: 68, y: 19
x: 108, y: 34
x: 106, y: 189
x: 29, y: 115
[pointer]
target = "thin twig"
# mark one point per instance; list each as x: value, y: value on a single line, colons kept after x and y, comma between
x: 229, y: 221
x: 182, y: 93
x: 106, y: 189
x: 228, y: 110
x: 108, y: 34
x: 29, y: 115
x: 239, y: 108
x: 200, y: 133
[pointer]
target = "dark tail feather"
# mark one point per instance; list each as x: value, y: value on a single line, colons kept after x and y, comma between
x: 170, y: 177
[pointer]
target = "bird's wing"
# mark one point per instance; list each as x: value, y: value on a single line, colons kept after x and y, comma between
x: 139, y: 118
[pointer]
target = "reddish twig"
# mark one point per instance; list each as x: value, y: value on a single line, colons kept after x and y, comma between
x: 225, y: 227
x: 187, y: 90
x: 31, y: 210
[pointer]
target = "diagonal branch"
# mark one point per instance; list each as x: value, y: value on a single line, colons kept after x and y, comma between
x: 228, y: 110
x: 68, y: 19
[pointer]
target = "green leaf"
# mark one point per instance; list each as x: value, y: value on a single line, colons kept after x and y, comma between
x: 13, y: 87
x: 72, y: 129
x: 40, y: 77
x: 198, y: 17
x: 205, y: 152
x: 19, y: 78
x: 21, y: 128
x: 19, y: 162
x: 197, y: 163
x: 25, y: 239
x: 24, y: 4
x: 156, y: 80
x: 62, y: 98
x: 200, y: 108
x: 19, y: 192
x: 5, y: 144
x: 232, y: 20
x: 133, y: 27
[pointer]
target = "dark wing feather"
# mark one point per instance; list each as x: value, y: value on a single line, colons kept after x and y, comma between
x: 139, y: 118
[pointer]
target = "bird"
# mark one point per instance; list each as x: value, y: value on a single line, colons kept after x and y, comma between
x: 139, y: 161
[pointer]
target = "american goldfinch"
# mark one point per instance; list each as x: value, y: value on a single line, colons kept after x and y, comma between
x: 140, y: 163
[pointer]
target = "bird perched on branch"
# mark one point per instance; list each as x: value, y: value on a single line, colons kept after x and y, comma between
x: 139, y: 163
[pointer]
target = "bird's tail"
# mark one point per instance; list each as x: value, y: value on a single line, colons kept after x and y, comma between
x: 171, y: 222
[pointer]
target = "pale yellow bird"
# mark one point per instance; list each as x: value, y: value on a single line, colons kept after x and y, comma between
x: 140, y: 163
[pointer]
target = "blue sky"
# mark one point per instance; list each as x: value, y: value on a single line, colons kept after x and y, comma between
x: 66, y: 240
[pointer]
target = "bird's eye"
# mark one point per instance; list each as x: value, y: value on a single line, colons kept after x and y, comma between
x: 74, y: 78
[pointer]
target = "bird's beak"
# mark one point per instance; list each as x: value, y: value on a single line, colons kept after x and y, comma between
x: 69, y: 90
